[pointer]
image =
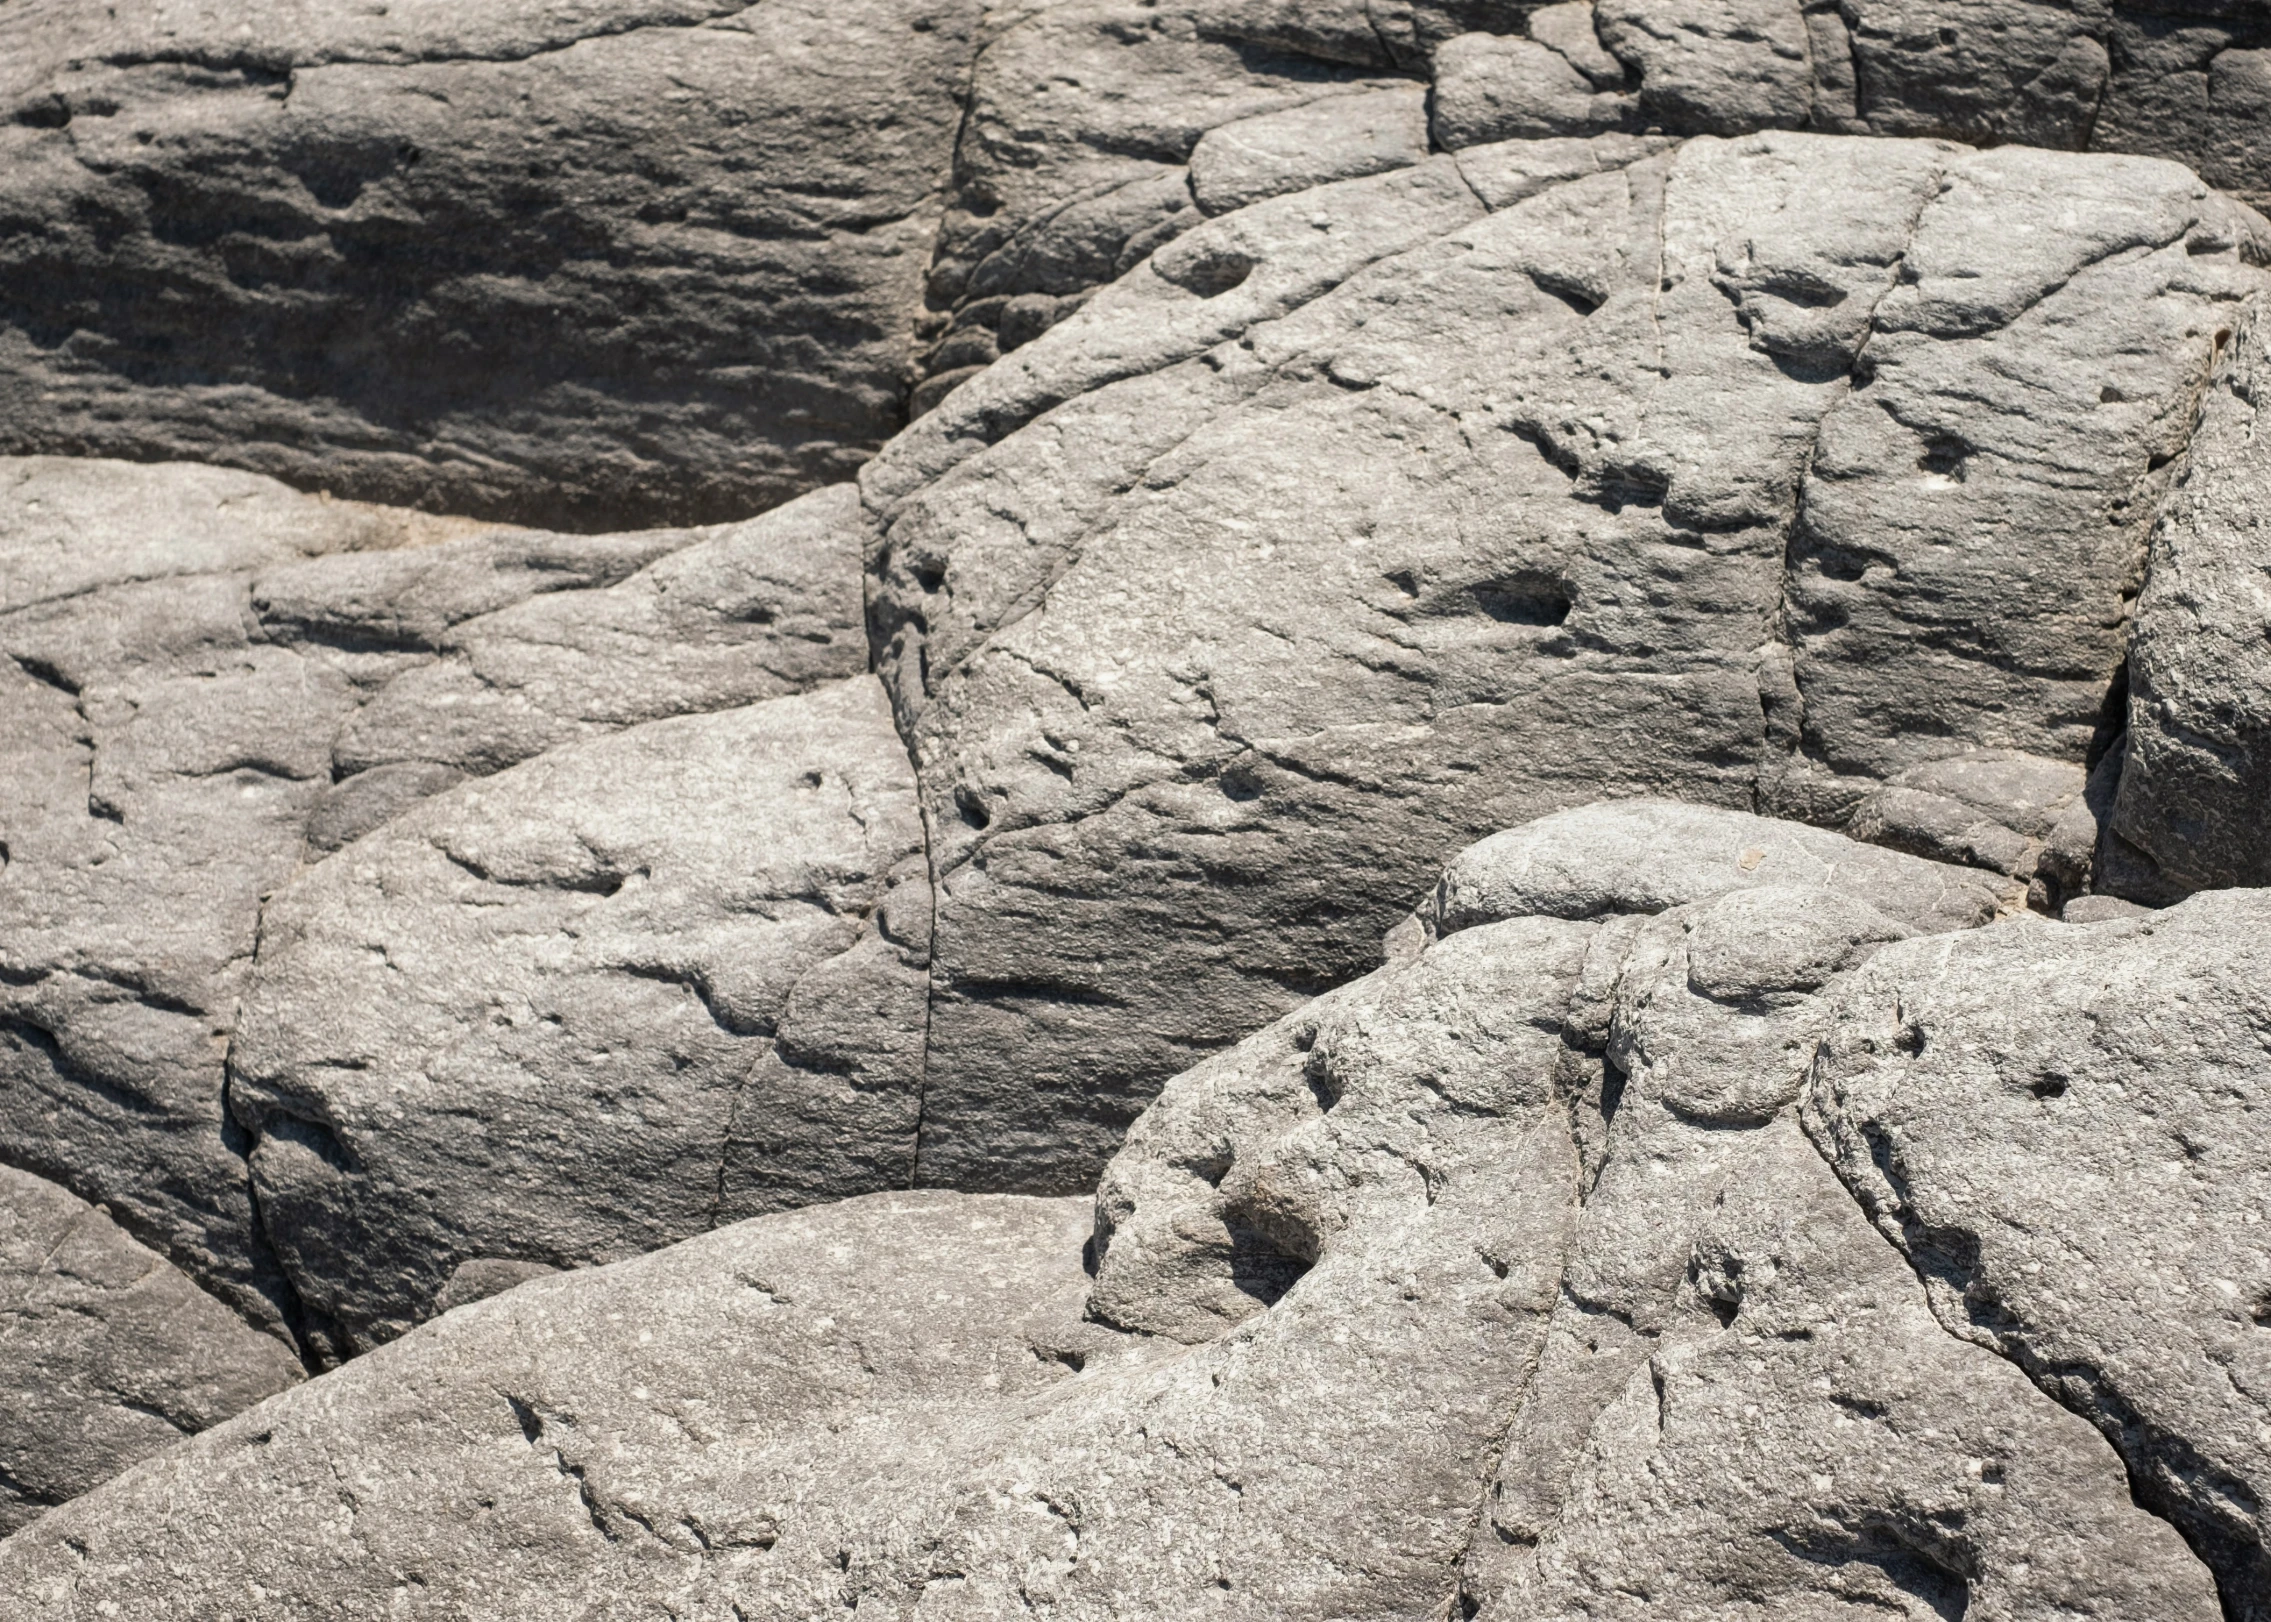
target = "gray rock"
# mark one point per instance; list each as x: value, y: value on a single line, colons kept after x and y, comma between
x: 599, y: 1447
x: 518, y: 263
x: 1489, y: 88
x: 212, y: 678
x: 2188, y: 80
x: 1362, y: 521
x: 589, y: 1006
x: 1333, y: 1362
x: 162, y: 758
x: 2189, y: 813
x: 1645, y: 856
x: 107, y: 1353
x: 1313, y: 144
x: 2058, y: 1127
x: 1993, y: 808
x: 1807, y: 1440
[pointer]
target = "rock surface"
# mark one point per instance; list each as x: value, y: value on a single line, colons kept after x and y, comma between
x: 599, y: 1002
x: 200, y: 697
x: 1442, y: 1295
x: 595, y: 265
x: 431, y: 258
x: 1365, y: 520
x: 108, y: 1354
x: 2064, y: 1130
x: 2189, y: 812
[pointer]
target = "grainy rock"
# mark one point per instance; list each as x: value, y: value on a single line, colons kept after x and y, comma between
x: 107, y: 1353
x: 1337, y: 138
x: 595, y: 265
x: 2196, y: 777
x: 1362, y: 521
x: 2062, y: 1129
x: 200, y: 694
x: 2182, y: 79
x: 1329, y: 1361
x: 586, y: 1444
x: 591, y: 1005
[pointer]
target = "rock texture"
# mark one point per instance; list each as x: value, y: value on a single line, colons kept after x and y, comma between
x: 1501, y: 1282
x: 434, y: 258
x: 2189, y: 808
x: 108, y: 1354
x: 1789, y: 471
x: 597, y: 1003
x: 632, y: 262
x: 212, y: 680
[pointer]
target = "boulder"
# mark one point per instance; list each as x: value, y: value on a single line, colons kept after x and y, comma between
x: 200, y: 695
x: 598, y: 266
x: 108, y: 1354
x: 1434, y: 1297
x: 2060, y: 1127
x: 1362, y: 521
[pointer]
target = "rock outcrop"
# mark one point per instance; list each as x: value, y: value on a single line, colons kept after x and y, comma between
x: 212, y: 681
x: 1768, y: 492
x: 1796, y: 472
x: 435, y: 258
x: 1518, y: 1278
x: 107, y: 1354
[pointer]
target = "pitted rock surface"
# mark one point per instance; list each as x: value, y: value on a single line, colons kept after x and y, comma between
x: 1362, y: 521
x: 1418, y: 1301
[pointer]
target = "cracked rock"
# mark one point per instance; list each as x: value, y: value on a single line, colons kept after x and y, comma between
x: 108, y: 1354
x: 2059, y: 1126
x: 589, y: 1006
x: 212, y: 680
x: 1363, y: 521
x: 2189, y: 811
x: 1333, y: 1361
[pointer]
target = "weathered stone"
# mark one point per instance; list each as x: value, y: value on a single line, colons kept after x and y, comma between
x: 1806, y: 1439
x: 107, y: 1353
x: 1353, y: 525
x: 201, y: 690
x: 2061, y: 1127
x: 1313, y: 144
x: 1356, y: 1254
x: 591, y: 1005
x: 1492, y: 88
x: 586, y: 1443
x: 604, y: 265
x: 2196, y: 777
x: 2183, y: 79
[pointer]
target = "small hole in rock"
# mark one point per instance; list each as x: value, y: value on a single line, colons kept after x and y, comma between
x: 2048, y: 1087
